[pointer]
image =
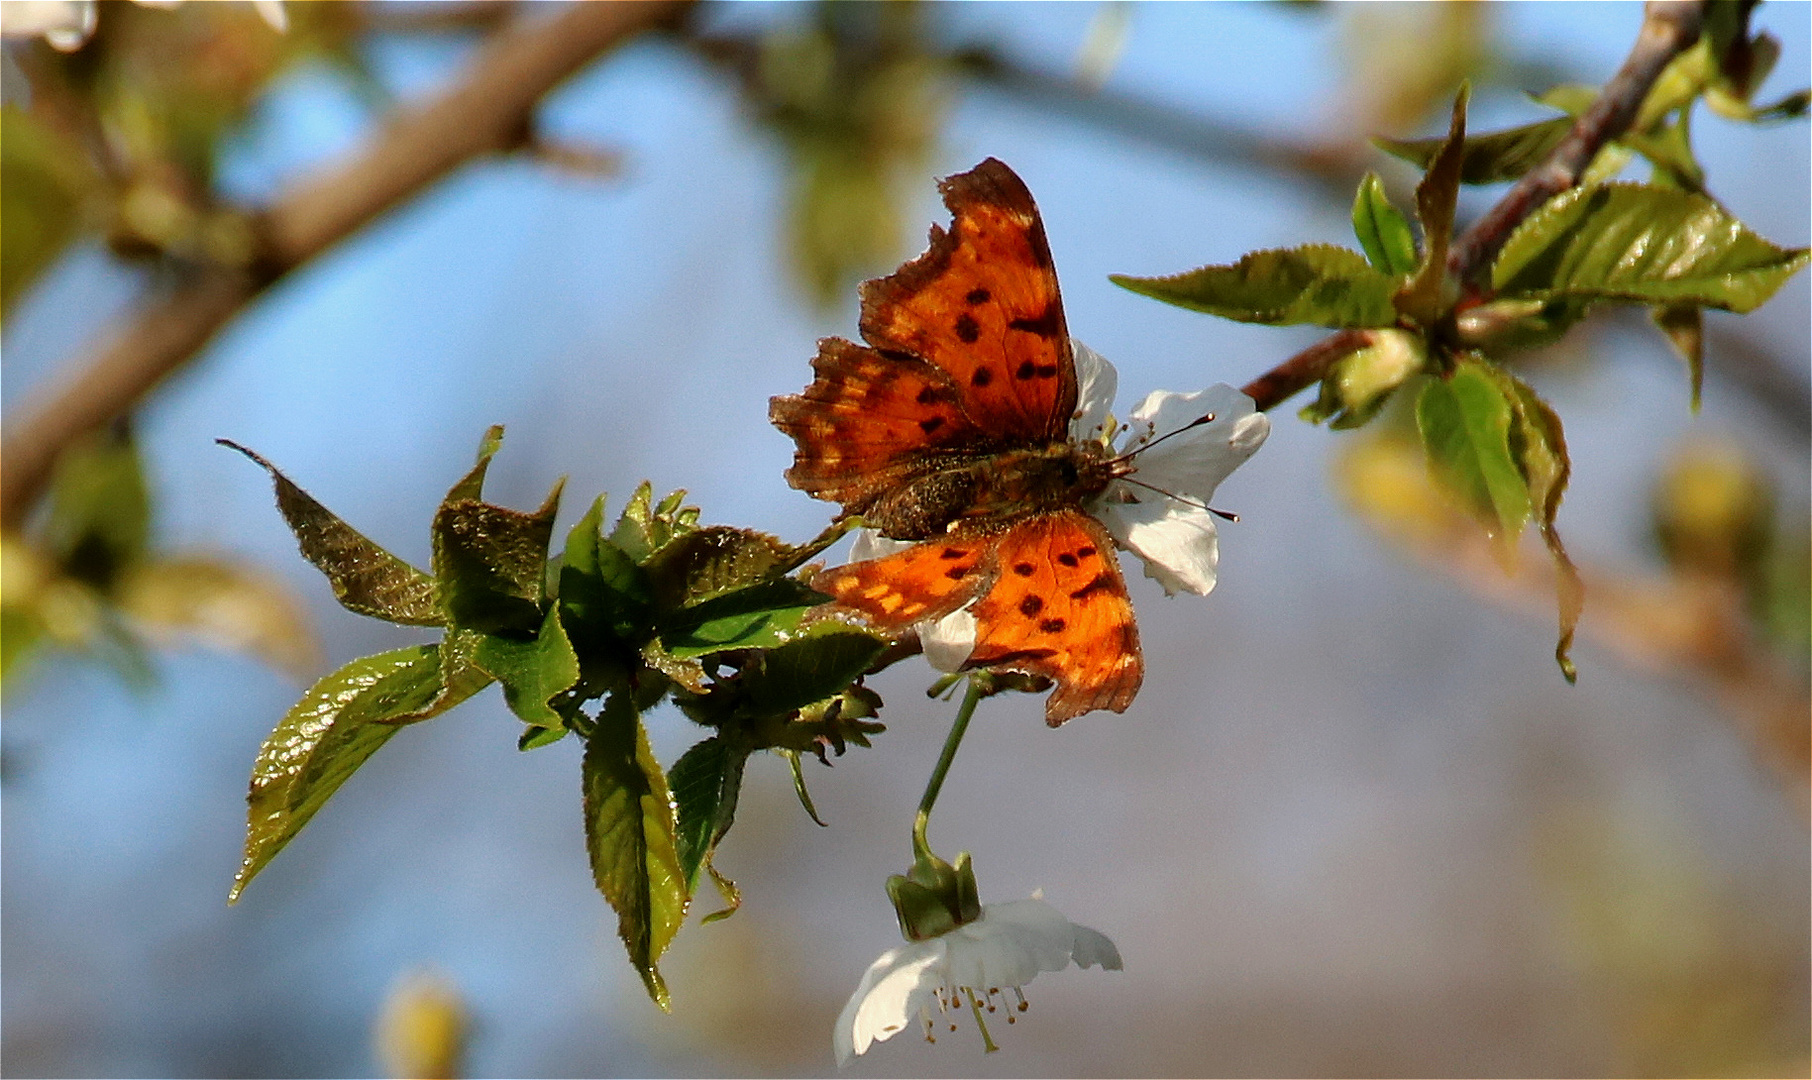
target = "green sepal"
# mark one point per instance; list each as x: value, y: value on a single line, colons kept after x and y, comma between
x: 934, y: 897
x: 533, y: 672
x: 1642, y: 243
x: 629, y: 835
x: 323, y: 739
x: 706, y: 782
x: 1359, y: 384
x: 365, y: 578
x: 470, y: 487
x: 799, y: 788
x: 1430, y: 294
x: 491, y: 563
x: 1490, y: 158
x: 1318, y: 284
x: 1382, y: 229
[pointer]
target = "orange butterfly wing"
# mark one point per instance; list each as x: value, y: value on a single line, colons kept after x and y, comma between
x: 925, y: 581
x: 1058, y: 608
x: 982, y: 305
x: 861, y: 423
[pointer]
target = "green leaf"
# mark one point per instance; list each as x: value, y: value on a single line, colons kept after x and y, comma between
x: 326, y: 736
x: 757, y: 617
x: 605, y: 597
x: 1320, y: 284
x: 643, y: 529
x: 48, y: 179
x: 705, y: 782
x: 1490, y: 158
x: 1382, y: 229
x: 1684, y: 325
x: 470, y: 487
x: 1540, y: 450
x: 365, y: 578
x: 100, y: 512
x: 1431, y: 293
x: 811, y: 669
x: 712, y: 561
x: 1642, y: 243
x: 1465, y: 425
x: 491, y: 563
x: 629, y: 834
x: 532, y: 672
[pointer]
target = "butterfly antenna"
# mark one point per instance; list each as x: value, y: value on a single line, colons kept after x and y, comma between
x: 1207, y: 418
x: 1222, y: 514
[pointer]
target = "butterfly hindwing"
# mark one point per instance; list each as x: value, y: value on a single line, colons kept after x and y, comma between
x: 862, y: 423
x: 1058, y: 608
x: 982, y: 304
x: 926, y: 581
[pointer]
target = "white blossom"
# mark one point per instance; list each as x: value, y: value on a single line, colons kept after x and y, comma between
x: 973, y: 966
x: 67, y: 24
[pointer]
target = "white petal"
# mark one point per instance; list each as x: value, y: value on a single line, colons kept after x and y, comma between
x: 1176, y: 542
x: 1009, y: 945
x: 870, y: 544
x: 1093, y: 947
x: 1193, y: 462
x: 949, y: 641
x: 889, y: 997
x: 1096, y: 384
x: 65, y: 24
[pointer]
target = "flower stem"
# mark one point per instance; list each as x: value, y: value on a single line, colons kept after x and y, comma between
x: 920, y: 846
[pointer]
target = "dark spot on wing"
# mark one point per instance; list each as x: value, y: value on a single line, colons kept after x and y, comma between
x: 1047, y: 371
x: 931, y: 424
x: 927, y: 396
x: 967, y: 329
x: 1085, y: 552
x: 1052, y: 626
x: 1023, y: 569
x: 979, y: 296
x: 982, y: 377
x: 957, y: 573
x: 1045, y: 324
x: 1026, y: 370
x: 951, y: 553
x: 1101, y: 583
x: 1031, y: 606
x: 1068, y: 559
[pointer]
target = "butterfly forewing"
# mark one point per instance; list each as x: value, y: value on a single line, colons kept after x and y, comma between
x: 1059, y: 608
x: 862, y: 422
x: 982, y: 304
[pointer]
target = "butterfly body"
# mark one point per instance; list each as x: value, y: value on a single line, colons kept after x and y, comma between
x: 951, y: 427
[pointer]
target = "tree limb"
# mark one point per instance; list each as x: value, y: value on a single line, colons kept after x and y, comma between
x: 487, y: 110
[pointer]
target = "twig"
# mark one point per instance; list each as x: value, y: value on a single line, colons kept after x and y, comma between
x: 487, y: 110
x: 1305, y: 369
x: 1669, y: 27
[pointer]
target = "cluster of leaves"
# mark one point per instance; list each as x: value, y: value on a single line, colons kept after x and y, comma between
x: 582, y: 643
x: 1441, y: 335
x: 86, y: 577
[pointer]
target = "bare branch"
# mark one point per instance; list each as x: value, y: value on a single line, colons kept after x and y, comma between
x: 1303, y: 370
x: 487, y: 110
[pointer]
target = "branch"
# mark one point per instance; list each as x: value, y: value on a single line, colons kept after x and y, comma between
x: 486, y: 111
x: 1669, y: 28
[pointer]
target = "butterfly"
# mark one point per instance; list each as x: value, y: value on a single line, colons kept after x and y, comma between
x: 955, y: 428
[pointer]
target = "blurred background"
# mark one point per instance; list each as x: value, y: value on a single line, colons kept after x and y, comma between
x: 1356, y: 823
